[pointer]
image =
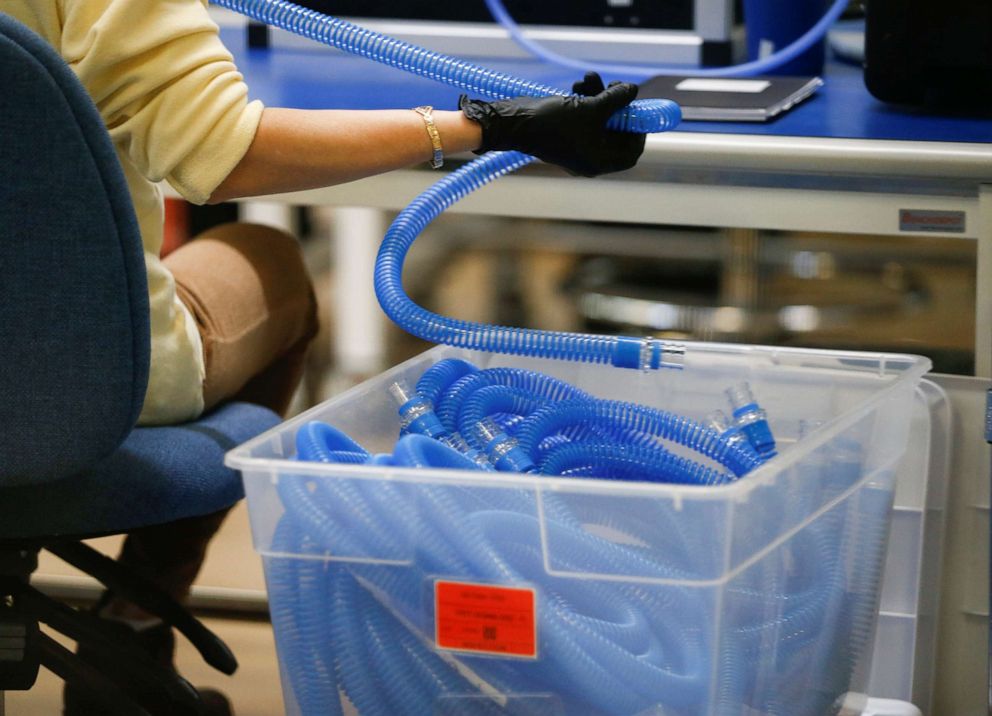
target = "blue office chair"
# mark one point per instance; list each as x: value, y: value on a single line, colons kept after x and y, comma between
x: 74, y: 353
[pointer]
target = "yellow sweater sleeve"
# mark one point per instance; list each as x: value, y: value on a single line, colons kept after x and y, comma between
x: 166, y: 87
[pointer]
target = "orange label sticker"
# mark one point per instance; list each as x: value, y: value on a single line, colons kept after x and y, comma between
x: 484, y: 618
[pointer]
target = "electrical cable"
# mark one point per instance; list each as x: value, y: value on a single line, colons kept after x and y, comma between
x: 642, y: 72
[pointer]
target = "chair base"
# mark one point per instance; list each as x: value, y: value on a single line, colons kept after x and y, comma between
x: 19, y: 634
x: 124, y: 665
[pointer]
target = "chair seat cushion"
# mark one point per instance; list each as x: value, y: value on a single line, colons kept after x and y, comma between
x: 157, y: 475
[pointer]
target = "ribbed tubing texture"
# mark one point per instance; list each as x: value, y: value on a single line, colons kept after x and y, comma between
x: 441, y: 375
x: 642, y: 117
x: 610, y: 647
x: 449, y: 404
x: 465, y: 334
x: 618, y: 416
x: 627, y: 462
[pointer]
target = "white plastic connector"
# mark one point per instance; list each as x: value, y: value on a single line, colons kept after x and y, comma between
x: 672, y: 355
x: 401, y: 392
x: 456, y: 442
x: 487, y: 430
x: 718, y: 420
x: 740, y: 395
x: 646, y: 353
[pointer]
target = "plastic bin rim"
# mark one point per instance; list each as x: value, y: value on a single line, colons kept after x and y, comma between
x: 240, y: 457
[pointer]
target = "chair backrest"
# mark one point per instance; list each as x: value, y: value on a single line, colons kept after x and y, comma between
x: 74, y: 335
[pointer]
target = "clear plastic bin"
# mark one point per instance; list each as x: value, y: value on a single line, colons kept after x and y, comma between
x: 904, y: 662
x: 590, y: 597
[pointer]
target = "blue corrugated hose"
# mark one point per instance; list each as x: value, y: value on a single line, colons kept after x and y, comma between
x: 620, y: 351
x: 620, y: 646
x: 606, y: 646
x: 643, y: 116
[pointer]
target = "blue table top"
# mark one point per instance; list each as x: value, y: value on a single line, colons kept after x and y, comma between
x: 319, y: 79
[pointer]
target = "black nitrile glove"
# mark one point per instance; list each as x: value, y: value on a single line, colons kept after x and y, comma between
x: 567, y: 131
x: 590, y: 85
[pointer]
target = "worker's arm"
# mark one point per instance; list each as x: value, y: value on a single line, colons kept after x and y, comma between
x: 304, y: 149
x: 298, y: 149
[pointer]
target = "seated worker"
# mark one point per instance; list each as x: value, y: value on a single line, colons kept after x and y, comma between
x: 232, y: 312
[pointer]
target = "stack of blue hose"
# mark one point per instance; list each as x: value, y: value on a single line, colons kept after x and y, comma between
x: 357, y: 619
x: 516, y: 420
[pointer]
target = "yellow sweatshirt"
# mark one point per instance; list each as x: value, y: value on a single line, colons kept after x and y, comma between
x: 176, y: 108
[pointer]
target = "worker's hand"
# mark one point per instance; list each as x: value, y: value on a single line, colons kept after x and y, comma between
x: 590, y: 85
x: 567, y: 131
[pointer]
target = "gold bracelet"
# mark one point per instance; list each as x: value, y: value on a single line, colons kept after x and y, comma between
x: 426, y: 111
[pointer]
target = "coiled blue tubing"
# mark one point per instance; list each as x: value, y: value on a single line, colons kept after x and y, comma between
x: 540, y: 412
x: 606, y: 647
x: 641, y: 117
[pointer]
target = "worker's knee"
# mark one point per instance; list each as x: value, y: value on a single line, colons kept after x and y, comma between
x: 275, y: 259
